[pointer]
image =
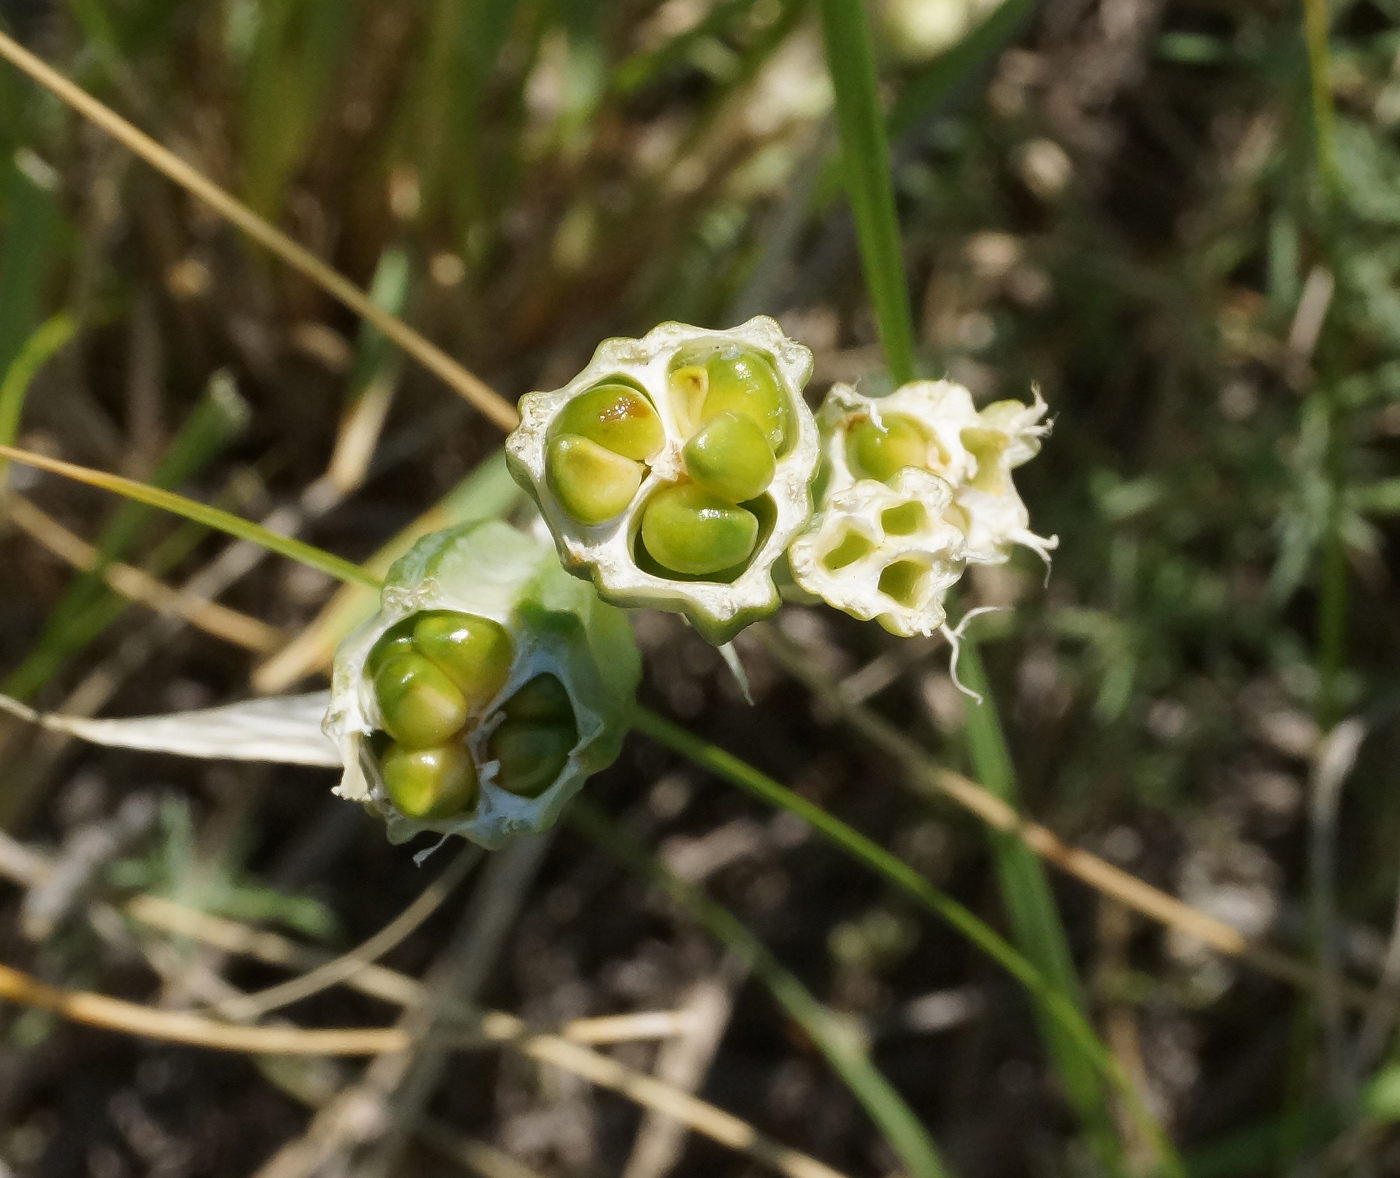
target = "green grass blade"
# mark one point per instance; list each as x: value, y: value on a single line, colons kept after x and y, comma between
x: 29, y: 235
x: 36, y: 351
x: 1067, y: 1015
x: 200, y: 513
x: 865, y: 162
x: 836, y: 1040
x: 90, y: 606
x: 1030, y: 904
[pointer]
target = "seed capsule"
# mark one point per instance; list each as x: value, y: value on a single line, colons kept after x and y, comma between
x: 879, y: 453
x: 543, y: 698
x: 419, y: 705
x: 475, y: 653
x: 532, y: 754
x: 730, y: 457
x: 618, y: 418
x: 689, y: 530
x: 591, y: 482
x: 727, y: 379
x: 430, y: 783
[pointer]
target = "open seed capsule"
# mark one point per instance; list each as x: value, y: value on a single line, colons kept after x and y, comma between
x: 688, y: 530
x: 730, y: 457
x: 430, y: 783
x: 481, y: 614
x: 475, y: 653
x: 934, y: 426
x: 420, y: 705
x: 593, y: 484
x: 736, y: 430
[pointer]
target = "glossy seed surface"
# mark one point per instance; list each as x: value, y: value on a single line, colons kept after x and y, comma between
x: 739, y: 380
x: 475, y: 653
x: 396, y: 640
x: 430, y: 783
x: 689, y: 530
x: 729, y: 456
x: 419, y: 705
x: 879, y: 453
x: 543, y: 698
x: 591, y: 482
x: 532, y: 754
x: 617, y: 417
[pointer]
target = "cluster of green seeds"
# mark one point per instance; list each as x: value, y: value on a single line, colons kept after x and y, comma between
x: 733, y: 422
x: 434, y: 676
x: 880, y: 449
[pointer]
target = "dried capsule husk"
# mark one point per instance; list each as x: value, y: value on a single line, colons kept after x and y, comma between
x: 884, y: 552
x: 934, y: 426
x: 690, y: 378
x: 558, y: 630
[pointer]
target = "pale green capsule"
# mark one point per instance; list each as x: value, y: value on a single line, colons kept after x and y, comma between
x: 419, y: 705
x: 728, y: 378
x: 430, y: 783
x: 475, y: 653
x: 591, y: 482
x: 532, y: 754
x: 730, y: 457
x: 689, y: 530
x: 617, y: 417
x: 879, y: 453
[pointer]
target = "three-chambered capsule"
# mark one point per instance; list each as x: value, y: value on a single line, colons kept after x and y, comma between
x: 735, y: 421
x: 434, y: 675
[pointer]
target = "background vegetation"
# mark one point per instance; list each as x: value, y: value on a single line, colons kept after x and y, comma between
x: 1178, y: 217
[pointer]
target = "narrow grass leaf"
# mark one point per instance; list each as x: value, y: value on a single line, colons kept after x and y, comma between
x: 865, y: 162
x: 31, y: 186
x: 32, y: 356
x: 1067, y: 1015
x: 836, y: 1040
x: 202, y: 513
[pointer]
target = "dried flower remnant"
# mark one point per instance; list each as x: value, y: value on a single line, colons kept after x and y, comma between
x: 676, y: 469
x: 486, y: 690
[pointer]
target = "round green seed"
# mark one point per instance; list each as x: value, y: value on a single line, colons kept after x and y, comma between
x: 475, y: 653
x: 419, y: 705
x: 532, y: 755
x: 430, y: 783
x: 396, y: 640
x: 731, y: 378
x: 542, y: 699
x: 879, y: 453
x: 615, y: 416
x: 689, y: 530
x: 730, y: 457
x: 591, y: 482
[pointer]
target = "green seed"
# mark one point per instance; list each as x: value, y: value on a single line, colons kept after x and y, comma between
x: 531, y: 755
x: 591, y: 482
x: 615, y: 416
x: 729, y: 378
x: 430, y: 783
x: 852, y: 547
x: 543, y: 698
x: 688, y: 530
x: 397, y: 639
x: 475, y: 653
x: 877, y: 453
x: 730, y: 457
x: 419, y: 704
x: 987, y: 446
